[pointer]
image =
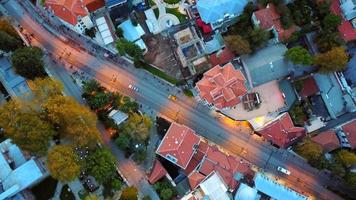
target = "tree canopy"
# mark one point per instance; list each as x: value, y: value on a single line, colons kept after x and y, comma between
x: 101, y: 164
x: 345, y: 157
x: 237, y: 44
x: 62, y: 163
x: 25, y: 126
x: 331, y: 61
x: 28, y: 63
x: 137, y: 127
x: 129, y: 193
x: 92, y: 197
x: 6, y: 26
x: 126, y: 47
x: 258, y: 38
x: 299, y: 55
x: 8, y: 42
x: 311, y: 151
x: 45, y: 88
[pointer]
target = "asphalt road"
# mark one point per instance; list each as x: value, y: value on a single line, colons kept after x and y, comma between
x: 153, y: 92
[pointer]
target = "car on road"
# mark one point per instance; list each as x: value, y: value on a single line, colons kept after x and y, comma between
x: 172, y: 97
x: 134, y: 88
x: 283, y: 170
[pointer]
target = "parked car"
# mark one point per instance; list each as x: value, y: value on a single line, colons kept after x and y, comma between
x: 283, y: 170
x: 134, y: 88
x: 172, y: 97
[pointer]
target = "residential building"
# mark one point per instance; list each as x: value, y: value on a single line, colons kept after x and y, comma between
x: 18, y: 171
x: 221, y: 57
x: 346, y: 9
x: 220, y: 14
x: 113, y: 3
x: 178, y: 145
x: 157, y: 172
x: 133, y: 33
x: 328, y: 140
x: 222, y: 87
x: 281, y: 131
x: 268, y: 18
x: 348, y: 133
x: 74, y: 13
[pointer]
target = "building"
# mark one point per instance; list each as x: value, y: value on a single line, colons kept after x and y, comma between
x: 222, y: 87
x: 133, y: 33
x: 328, y: 140
x: 18, y: 171
x: 268, y: 18
x: 113, y: 3
x: 281, y: 131
x: 212, y: 188
x: 75, y: 13
x: 220, y: 14
x: 348, y: 131
x: 178, y: 145
x: 347, y: 10
x: 118, y: 116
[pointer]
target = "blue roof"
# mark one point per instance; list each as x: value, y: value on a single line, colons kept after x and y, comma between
x: 286, y: 87
x: 215, y: 44
x: 267, y: 64
x: 350, y: 72
x: 212, y: 10
x: 131, y: 32
x: 275, y: 190
x: 111, y: 3
x: 331, y: 93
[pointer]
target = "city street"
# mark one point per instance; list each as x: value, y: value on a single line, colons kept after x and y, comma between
x: 153, y: 92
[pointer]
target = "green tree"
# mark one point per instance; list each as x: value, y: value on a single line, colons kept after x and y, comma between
x: 123, y: 141
x: 8, y: 43
x: 74, y: 121
x: 91, y: 87
x: 331, y: 22
x: 298, y: 115
x: 116, y: 184
x: 99, y: 101
x: 345, y: 157
x: 337, y: 169
x: 62, y: 163
x: 311, y: 151
x: 137, y: 127
x: 126, y: 47
x: 101, y: 164
x: 327, y: 40
x: 331, y: 61
x: 129, y: 193
x: 258, y: 38
x: 6, y: 26
x: 28, y: 63
x: 25, y: 127
x: 119, y: 32
x: 299, y: 55
x: 146, y: 198
x: 237, y: 44
x: 166, y: 194
x: 128, y: 106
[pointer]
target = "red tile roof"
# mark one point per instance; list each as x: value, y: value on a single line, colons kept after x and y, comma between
x: 157, y: 172
x: 350, y: 132
x: 221, y: 57
x: 93, y: 5
x: 328, y: 140
x: 309, y: 87
x: 206, y: 28
x: 282, y: 131
x: 269, y: 17
x: 347, y: 31
x: 70, y: 10
x: 178, y: 144
x: 222, y: 86
x: 195, y: 178
x: 226, y: 165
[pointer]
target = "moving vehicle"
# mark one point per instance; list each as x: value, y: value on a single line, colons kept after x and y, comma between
x: 134, y: 88
x: 283, y: 170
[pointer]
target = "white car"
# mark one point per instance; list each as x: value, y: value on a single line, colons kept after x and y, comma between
x: 134, y: 88
x: 283, y: 170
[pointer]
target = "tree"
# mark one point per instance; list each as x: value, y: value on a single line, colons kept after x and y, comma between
x: 119, y: 32
x: 311, y: 151
x: 299, y: 55
x: 92, y: 197
x: 73, y: 120
x: 146, y: 198
x: 258, y: 38
x: 237, y: 44
x: 62, y: 163
x: 101, y: 164
x: 337, y: 169
x: 327, y: 40
x: 25, y: 127
x: 6, y: 26
x: 99, y: 101
x: 28, y: 63
x: 116, y: 184
x: 128, y: 106
x: 126, y: 47
x: 129, y: 193
x: 45, y: 88
x: 123, y: 141
x: 345, y: 157
x: 137, y: 127
x: 166, y: 194
x: 351, y: 180
x: 91, y: 87
x: 333, y: 60
x: 331, y: 22
x: 8, y: 42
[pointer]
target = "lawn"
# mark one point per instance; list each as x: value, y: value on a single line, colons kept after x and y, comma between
x: 175, y: 11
